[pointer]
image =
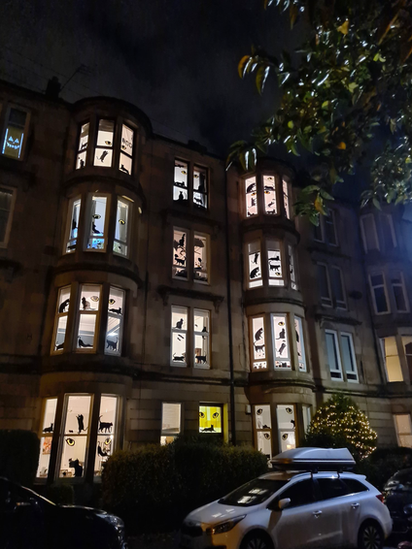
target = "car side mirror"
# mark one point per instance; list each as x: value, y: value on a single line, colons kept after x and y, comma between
x: 283, y: 503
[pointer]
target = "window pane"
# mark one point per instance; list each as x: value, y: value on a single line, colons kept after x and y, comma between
x: 179, y: 254
x: 263, y: 426
x: 171, y: 414
x: 122, y: 227
x: 106, y: 432
x: 76, y: 427
x: 398, y: 291
x: 280, y: 342
x: 285, y: 187
x: 391, y: 358
x: 349, y: 360
x: 301, y: 493
x: 407, y: 345
x: 292, y: 272
x: 200, y: 187
x: 89, y: 305
x: 126, y: 150
x: 337, y: 287
x: 14, y: 136
x: 331, y: 488
x: 403, y: 429
x: 286, y: 426
x: 82, y: 146
x: 275, y: 263
x: 269, y: 193
x: 179, y: 336
x: 90, y: 297
x: 388, y: 233
x: 201, y: 323
x: 370, y: 239
x: 332, y: 356
x: 114, y: 332
x: 6, y: 197
x: 251, y: 196
x: 46, y: 440
x: 255, y: 272
x: 180, y: 192
x: 330, y: 229
x: 380, y: 300
x: 74, y: 225
x: 210, y: 419
x: 63, y: 303
x: 97, y: 223
x: 300, y: 344
x: 104, y: 147
x: 200, y: 269
x: 258, y: 343
x: 324, y: 285
x: 318, y: 230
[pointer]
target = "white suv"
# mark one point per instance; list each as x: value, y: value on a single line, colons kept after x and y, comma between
x: 301, y: 507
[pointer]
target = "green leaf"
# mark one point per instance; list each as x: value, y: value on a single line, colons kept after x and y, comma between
x: 261, y: 76
x: 242, y: 66
x: 291, y: 124
x: 326, y: 195
x: 310, y: 189
x: 294, y: 149
x: 376, y: 203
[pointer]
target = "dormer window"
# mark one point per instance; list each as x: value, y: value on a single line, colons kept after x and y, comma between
x: 190, y: 185
x: 266, y: 194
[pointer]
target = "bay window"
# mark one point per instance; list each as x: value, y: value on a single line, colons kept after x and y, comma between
x: 190, y: 185
x: 269, y: 193
x: 292, y: 272
x: 270, y: 261
x: 299, y: 344
x: 258, y: 347
x: 190, y: 337
x: 198, y: 270
x: 275, y: 271
x: 121, y: 230
x: 62, y: 313
x: 88, y: 311
x: 114, y: 331
x: 254, y: 263
x: 73, y: 224
x: 286, y: 419
x: 126, y: 150
x: 286, y: 202
x: 266, y: 193
x: 251, y: 196
x: 263, y: 429
x: 15, y: 132
x: 281, y: 349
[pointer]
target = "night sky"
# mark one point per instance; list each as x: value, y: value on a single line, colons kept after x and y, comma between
x: 175, y: 59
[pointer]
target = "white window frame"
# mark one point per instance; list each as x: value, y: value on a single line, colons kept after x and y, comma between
x: 302, y: 360
x: 353, y: 356
x: 67, y: 239
x: 164, y: 435
x: 122, y: 151
x: 363, y: 232
x: 275, y: 245
x: 287, y: 359
x: 97, y: 147
x: 286, y: 197
x: 116, y: 315
x: 334, y: 334
x: 256, y: 282
x: 88, y: 235
x: 190, y: 235
x: 57, y: 316
x: 130, y: 204
x: 247, y: 182
x: 97, y: 313
x: 402, y: 285
x: 388, y: 305
x: 292, y: 268
x: 329, y: 302
x: 197, y: 168
x: 193, y: 235
x: 3, y: 244
x: 25, y: 131
x: 262, y: 362
x: 264, y: 429
x: 383, y: 352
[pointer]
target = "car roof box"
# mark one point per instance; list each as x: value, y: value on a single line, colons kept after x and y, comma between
x: 314, y: 459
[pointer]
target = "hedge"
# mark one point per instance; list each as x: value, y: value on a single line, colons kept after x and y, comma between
x: 19, y: 455
x: 383, y: 463
x: 153, y: 488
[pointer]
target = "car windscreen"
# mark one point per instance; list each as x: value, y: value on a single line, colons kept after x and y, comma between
x: 254, y: 492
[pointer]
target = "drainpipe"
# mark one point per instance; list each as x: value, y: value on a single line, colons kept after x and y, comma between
x: 229, y: 315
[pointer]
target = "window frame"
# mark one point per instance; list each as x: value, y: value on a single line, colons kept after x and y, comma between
x: 282, y: 199
x: 190, y: 236
x: 190, y: 202
x: 190, y: 333
x: 250, y: 280
x: 389, y: 219
x: 88, y: 236
x: 96, y: 137
x: 130, y: 205
x: 339, y: 304
x: 334, y: 334
x: 7, y: 232
x: 287, y: 338
x: 382, y: 341
x: 222, y: 422
x: 404, y: 292
x: 174, y: 436
x: 57, y: 316
x: 329, y: 302
x: 206, y: 364
x: 9, y: 108
x: 69, y: 221
x: 353, y: 357
x: 253, y: 340
x: 399, y: 434
x: 130, y: 127
x: 363, y: 233
x: 372, y: 289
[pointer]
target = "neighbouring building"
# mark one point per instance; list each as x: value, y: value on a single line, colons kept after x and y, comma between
x: 145, y: 292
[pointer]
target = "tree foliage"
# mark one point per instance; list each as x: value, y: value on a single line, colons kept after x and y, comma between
x: 340, y: 423
x: 346, y: 97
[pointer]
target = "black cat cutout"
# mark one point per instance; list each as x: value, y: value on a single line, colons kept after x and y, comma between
x: 85, y: 303
x: 210, y: 429
x: 103, y: 156
x: 179, y: 324
x: 254, y: 272
x: 80, y: 423
x: 281, y: 334
x: 178, y: 358
x: 78, y: 469
x: 102, y: 453
x: 117, y: 311
x: 200, y: 359
x: 63, y: 305
x: 105, y: 426
x: 82, y: 344
x: 112, y: 345
x: 258, y: 334
x: 59, y: 347
x: 48, y: 429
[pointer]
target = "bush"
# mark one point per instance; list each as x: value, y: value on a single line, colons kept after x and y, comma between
x: 19, y: 455
x: 384, y: 463
x: 153, y: 488
x: 61, y: 492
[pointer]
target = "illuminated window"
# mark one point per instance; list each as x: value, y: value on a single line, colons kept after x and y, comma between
x: 200, y: 187
x: 254, y: 264
x: 403, y: 428
x: 251, y: 196
x: 200, y: 261
x: 391, y: 359
x: 292, y: 270
x: 76, y: 427
x: 121, y: 230
x: 300, y: 344
x: 407, y: 346
x: 199, y: 243
x: 258, y: 345
x: 179, y: 336
x: 103, y: 153
x: 15, y: 133
x: 281, y: 349
x: 369, y: 234
x: 180, y: 186
x: 82, y: 147
x: 62, y: 312
x: 195, y: 322
x: 269, y: 193
x: 286, y: 200
x: 88, y: 315
x: 286, y: 419
x: 171, y: 422
x: 126, y: 150
x: 190, y: 185
x: 263, y: 428
x: 97, y: 223
x: 73, y: 224
x: 210, y: 419
x: 201, y: 332
x: 115, y: 315
x: 399, y: 292
x: 180, y: 254
x: 46, y: 439
x: 379, y: 293
x: 7, y: 197
x: 275, y: 271
x: 333, y: 356
x: 106, y: 432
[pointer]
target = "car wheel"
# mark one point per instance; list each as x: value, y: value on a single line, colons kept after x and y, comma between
x: 256, y: 540
x: 370, y: 536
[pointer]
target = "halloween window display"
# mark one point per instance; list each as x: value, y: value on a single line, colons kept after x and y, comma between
x: 251, y: 196
x: 115, y: 314
x: 106, y: 431
x: 179, y: 269
x: 269, y: 194
x: 292, y: 272
x: 75, y: 435
x: 103, y: 153
x: 286, y: 426
x: 258, y: 352
x: 121, y: 231
x: 6, y: 201
x: 126, y: 150
x: 281, y: 351
x: 286, y: 203
x: 82, y: 146
x: 97, y: 232
x: 88, y: 311
x: 49, y: 420
x: 171, y: 421
x: 210, y: 419
x: 200, y: 187
x: 73, y: 224
x: 254, y: 264
x: 201, y: 330
x: 300, y: 344
x: 14, y: 134
x: 63, y: 303
x: 179, y: 336
x: 180, y: 186
x: 200, y: 259
x: 275, y: 269
x: 263, y: 427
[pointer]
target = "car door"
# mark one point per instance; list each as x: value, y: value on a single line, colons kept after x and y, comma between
x: 334, y: 519
x: 353, y: 506
x: 297, y: 526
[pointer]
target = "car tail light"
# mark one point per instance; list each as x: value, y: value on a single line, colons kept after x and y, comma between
x: 380, y: 497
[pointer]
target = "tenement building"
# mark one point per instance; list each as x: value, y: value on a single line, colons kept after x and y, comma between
x: 147, y: 293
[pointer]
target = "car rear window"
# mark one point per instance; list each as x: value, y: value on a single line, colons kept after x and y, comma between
x: 254, y: 492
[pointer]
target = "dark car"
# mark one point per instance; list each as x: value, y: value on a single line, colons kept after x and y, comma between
x: 398, y: 498
x: 30, y: 521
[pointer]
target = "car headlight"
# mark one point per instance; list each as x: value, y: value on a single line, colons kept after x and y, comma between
x: 224, y: 526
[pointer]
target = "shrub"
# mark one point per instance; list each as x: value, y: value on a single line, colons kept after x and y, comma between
x: 61, y: 492
x: 384, y: 463
x: 153, y: 488
x: 19, y: 455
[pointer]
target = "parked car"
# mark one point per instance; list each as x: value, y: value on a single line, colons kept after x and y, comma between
x: 30, y: 521
x: 312, y: 502
x: 398, y: 497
